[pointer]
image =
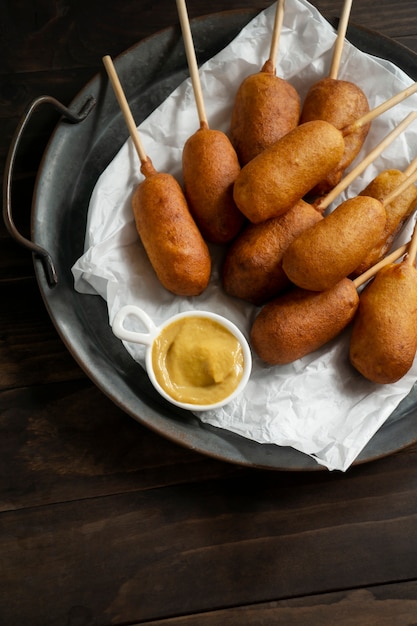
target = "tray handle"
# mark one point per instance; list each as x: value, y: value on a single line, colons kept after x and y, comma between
x: 73, y: 118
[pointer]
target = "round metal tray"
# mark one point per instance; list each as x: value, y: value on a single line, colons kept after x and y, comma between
x: 75, y: 157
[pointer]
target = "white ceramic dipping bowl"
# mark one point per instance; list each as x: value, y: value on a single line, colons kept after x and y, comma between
x: 152, y: 333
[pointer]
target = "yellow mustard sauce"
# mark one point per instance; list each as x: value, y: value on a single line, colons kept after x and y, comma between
x: 198, y: 361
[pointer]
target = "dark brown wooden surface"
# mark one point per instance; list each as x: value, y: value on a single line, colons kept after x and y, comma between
x: 101, y: 520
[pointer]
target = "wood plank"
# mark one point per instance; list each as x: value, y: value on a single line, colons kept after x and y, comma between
x: 50, y: 37
x: 391, y: 18
x: 245, y: 539
x: 386, y: 604
x: 102, y: 520
x: 31, y: 351
x: 82, y: 31
x: 66, y: 441
x: 15, y: 263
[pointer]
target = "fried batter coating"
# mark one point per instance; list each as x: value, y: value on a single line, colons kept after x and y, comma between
x: 398, y: 211
x: 340, y: 103
x: 173, y: 243
x: 384, y: 334
x: 266, y: 108
x: 210, y: 167
x: 331, y: 249
x: 252, y: 269
x: 300, y: 322
x: 281, y: 175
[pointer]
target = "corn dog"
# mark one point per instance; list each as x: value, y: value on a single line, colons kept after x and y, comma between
x: 331, y: 249
x: 171, y: 238
x: 281, y: 175
x: 266, y: 107
x: 398, y: 211
x: 340, y: 103
x: 209, y: 163
x: 384, y: 335
x: 301, y: 321
x: 172, y: 241
x: 210, y: 167
x: 252, y: 268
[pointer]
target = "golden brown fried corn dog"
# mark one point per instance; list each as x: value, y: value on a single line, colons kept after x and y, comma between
x: 173, y: 243
x: 331, y: 249
x: 252, y: 268
x: 384, y: 335
x: 340, y: 103
x: 398, y: 211
x: 300, y: 322
x: 209, y: 163
x: 280, y: 176
x: 210, y: 167
x: 266, y: 108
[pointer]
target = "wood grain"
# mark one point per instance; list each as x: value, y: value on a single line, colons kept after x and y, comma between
x: 390, y: 604
x: 224, y: 542
x: 102, y: 521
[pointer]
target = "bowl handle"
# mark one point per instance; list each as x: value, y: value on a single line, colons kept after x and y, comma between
x: 73, y: 118
x: 131, y: 335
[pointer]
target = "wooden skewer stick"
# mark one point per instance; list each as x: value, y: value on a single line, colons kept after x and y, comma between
x: 124, y: 106
x: 192, y: 62
x: 390, y: 258
x: 276, y: 33
x: 411, y: 167
x: 340, y: 40
x: 323, y: 203
x: 384, y: 106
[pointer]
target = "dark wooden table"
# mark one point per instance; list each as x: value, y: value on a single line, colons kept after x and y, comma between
x: 103, y: 521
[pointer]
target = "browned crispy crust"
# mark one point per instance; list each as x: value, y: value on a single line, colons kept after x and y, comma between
x: 210, y: 167
x: 300, y: 322
x: 340, y: 103
x: 173, y: 243
x: 384, y: 335
x: 252, y: 269
x: 398, y: 211
x: 281, y: 175
x: 266, y: 108
x: 331, y: 249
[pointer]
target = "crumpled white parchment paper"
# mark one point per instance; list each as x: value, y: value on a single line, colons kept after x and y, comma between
x: 319, y: 404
